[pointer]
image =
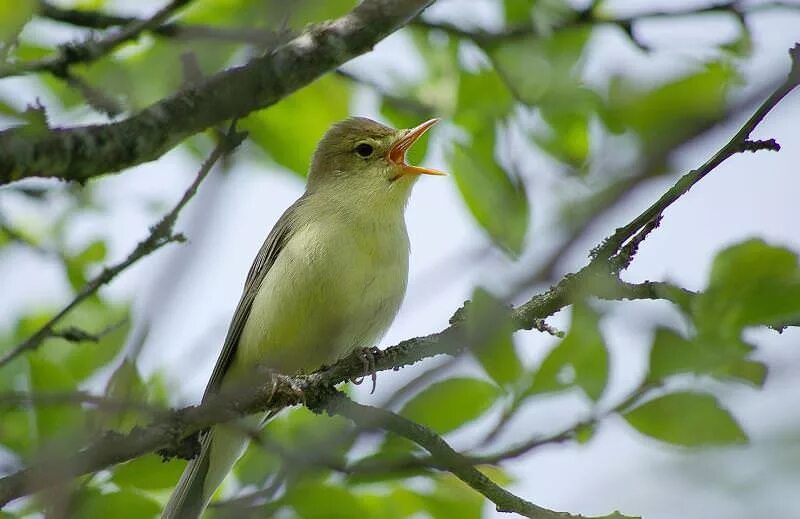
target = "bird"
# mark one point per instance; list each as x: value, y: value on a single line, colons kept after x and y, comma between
x: 329, y: 278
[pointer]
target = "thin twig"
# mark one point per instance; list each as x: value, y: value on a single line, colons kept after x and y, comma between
x: 160, y: 234
x: 737, y: 144
x: 91, y: 49
x: 75, y: 334
x: 591, y: 16
x: 98, y: 20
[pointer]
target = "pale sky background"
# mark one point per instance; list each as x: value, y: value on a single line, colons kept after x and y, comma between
x: 749, y: 195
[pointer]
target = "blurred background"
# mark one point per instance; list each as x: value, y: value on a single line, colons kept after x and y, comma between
x: 580, y: 125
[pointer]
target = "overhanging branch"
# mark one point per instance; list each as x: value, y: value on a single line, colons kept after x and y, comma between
x: 83, y: 152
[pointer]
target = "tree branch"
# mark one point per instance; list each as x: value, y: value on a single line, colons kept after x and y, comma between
x: 737, y: 144
x: 373, y: 417
x: 167, y: 433
x: 591, y: 16
x: 82, y: 152
x: 160, y: 234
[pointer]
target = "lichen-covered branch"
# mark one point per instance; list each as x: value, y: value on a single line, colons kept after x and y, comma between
x: 83, y: 152
x: 168, y: 432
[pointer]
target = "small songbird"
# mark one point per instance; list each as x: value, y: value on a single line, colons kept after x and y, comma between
x: 329, y: 278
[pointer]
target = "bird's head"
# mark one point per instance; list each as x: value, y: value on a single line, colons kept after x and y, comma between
x: 365, y: 161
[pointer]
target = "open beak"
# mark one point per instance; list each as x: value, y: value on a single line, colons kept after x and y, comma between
x: 397, y: 153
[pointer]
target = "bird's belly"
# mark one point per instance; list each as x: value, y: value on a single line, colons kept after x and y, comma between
x: 326, y: 294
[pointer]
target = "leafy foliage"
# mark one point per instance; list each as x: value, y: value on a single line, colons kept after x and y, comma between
x: 690, y: 419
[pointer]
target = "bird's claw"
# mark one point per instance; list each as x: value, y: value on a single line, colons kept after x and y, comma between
x: 368, y: 358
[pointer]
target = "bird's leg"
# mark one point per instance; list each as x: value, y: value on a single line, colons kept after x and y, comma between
x: 368, y: 358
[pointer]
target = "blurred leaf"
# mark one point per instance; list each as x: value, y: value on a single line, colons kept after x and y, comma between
x: 77, y: 264
x: 299, y: 431
x: 13, y: 17
x: 490, y: 336
x: 54, y: 421
x: 447, y: 405
x: 125, y: 385
x: 671, y: 354
x: 568, y: 137
x: 670, y: 110
x: 496, y: 199
x: 482, y: 97
x: 517, y: 11
x: 289, y: 131
x: 686, y: 418
x: 256, y: 465
x: 84, y: 358
x: 315, y: 499
x: 149, y: 472
x: 751, y: 283
x: 742, y: 45
x: 743, y: 370
x: 123, y: 505
x: 579, y: 360
x: 16, y: 432
x: 545, y: 71
x: 752, y: 261
x: 400, y: 503
x: 453, y: 498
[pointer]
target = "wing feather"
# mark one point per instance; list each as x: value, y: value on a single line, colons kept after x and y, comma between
x: 272, y: 247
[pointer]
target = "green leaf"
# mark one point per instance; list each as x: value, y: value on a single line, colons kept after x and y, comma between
x: 688, y: 419
x: 16, y: 431
x: 517, y: 11
x: 496, y: 199
x: 85, y: 358
x: 256, y: 465
x: 122, y: 505
x: 125, y: 385
x: 490, y: 336
x: 453, y: 498
x: 94, y: 252
x: 672, y: 109
x: 671, y: 354
x: 149, y: 472
x: 743, y: 370
x: 568, y: 137
x: 78, y: 263
x: 482, y: 97
x: 315, y: 499
x: 289, y: 131
x: 556, y: 61
x: 13, y: 17
x: 579, y: 360
x: 447, y: 405
x: 752, y: 261
x: 751, y: 283
x: 54, y: 421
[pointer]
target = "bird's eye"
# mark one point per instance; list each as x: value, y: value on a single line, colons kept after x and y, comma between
x: 364, y: 150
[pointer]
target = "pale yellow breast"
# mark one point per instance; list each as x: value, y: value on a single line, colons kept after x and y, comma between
x: 336, y: 285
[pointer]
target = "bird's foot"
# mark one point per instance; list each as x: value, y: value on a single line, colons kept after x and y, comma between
x: 368, y: 358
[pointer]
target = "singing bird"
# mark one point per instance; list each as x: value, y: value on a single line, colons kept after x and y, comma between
x: 329, y: 278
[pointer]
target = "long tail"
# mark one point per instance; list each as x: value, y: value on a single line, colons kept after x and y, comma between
x: 220, y: 448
